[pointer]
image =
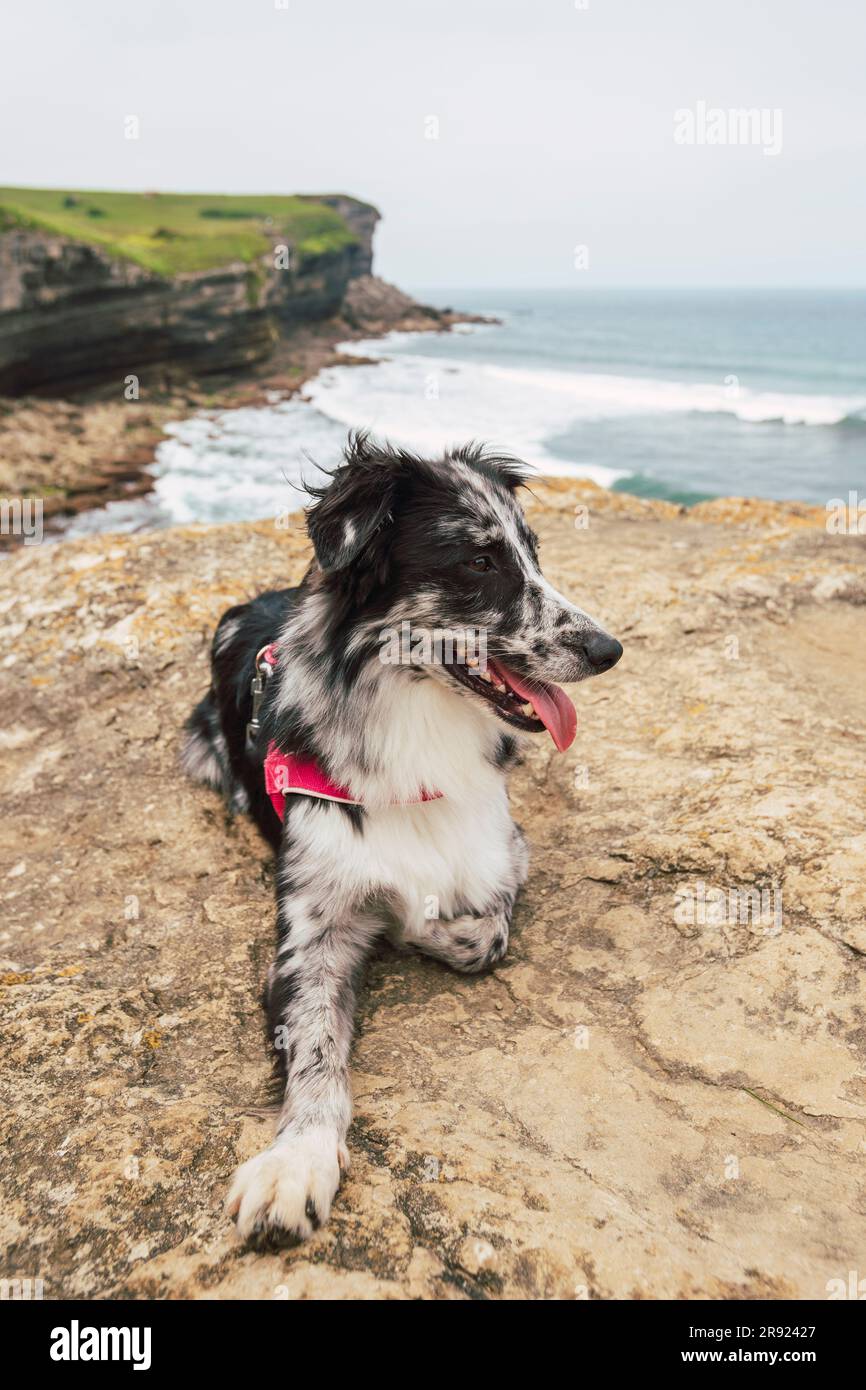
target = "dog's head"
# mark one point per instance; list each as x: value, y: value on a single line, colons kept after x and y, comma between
x: 411, y: 550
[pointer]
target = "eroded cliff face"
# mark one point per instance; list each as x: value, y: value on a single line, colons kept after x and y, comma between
x: 79, y: 454
x: 361, y: 219
x: 639, y: 1102
x: 72, y: 315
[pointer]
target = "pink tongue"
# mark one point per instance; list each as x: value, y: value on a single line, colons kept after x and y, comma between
x: 551, y: 704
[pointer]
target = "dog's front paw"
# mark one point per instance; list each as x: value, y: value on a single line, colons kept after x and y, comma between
x: 474, y: 944
x: 288, y: 1189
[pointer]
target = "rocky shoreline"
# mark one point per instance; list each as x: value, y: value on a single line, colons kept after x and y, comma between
x: 98, y: 447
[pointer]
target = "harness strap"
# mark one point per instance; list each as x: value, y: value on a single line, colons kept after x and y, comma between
x: 285, y: 774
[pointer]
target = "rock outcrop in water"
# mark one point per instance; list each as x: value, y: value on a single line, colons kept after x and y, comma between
x: 648, y: 1098
x: 71, y: 314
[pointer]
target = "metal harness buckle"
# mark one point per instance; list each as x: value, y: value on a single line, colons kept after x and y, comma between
x: 258, y: 684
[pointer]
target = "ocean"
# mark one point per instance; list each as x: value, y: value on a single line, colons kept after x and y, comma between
x: 681, y: 394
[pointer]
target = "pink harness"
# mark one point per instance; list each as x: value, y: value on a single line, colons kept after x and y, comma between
x: 286, y: 775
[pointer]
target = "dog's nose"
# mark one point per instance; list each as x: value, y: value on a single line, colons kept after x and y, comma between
x: 602, y: 651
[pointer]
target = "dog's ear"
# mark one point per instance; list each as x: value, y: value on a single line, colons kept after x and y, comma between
x: 511, y: 472
x: 355, y: 506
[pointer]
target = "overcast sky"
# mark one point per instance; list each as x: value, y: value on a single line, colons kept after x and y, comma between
x: 555, y: 126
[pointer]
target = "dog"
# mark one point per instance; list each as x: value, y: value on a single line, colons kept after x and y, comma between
x: 386, y: 759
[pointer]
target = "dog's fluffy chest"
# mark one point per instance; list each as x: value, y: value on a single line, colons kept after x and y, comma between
x: 403, y: 733
x: 442, y: 858
x: 418, y: 735
x: 436, y: 858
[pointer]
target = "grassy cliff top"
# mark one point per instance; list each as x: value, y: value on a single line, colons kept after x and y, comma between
x: 173, y: 232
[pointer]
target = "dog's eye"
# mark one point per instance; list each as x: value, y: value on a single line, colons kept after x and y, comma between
x: 480, y: 564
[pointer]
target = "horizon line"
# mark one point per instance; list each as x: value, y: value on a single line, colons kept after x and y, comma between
x: 722, y: 287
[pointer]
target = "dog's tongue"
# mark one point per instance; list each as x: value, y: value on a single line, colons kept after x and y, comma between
x: 551, y: 704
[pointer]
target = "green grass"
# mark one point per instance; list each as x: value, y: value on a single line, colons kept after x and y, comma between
x: 775, y: 1109
x: 173, y: 232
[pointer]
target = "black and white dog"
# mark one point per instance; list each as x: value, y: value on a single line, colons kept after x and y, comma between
x: 392, y: 761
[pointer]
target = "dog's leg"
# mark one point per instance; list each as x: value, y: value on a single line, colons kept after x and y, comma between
x: 469, y: 943
x: 474, y: 941
x: 311, y: 996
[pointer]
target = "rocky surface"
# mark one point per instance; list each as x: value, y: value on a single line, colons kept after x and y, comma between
x: 74, y: 456
x: 635, y: 1104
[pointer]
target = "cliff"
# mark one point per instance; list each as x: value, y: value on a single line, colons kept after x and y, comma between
x: 76, y: 454
x: 120, y: 284
x: 81, y: 453
x: 641, y: 1101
